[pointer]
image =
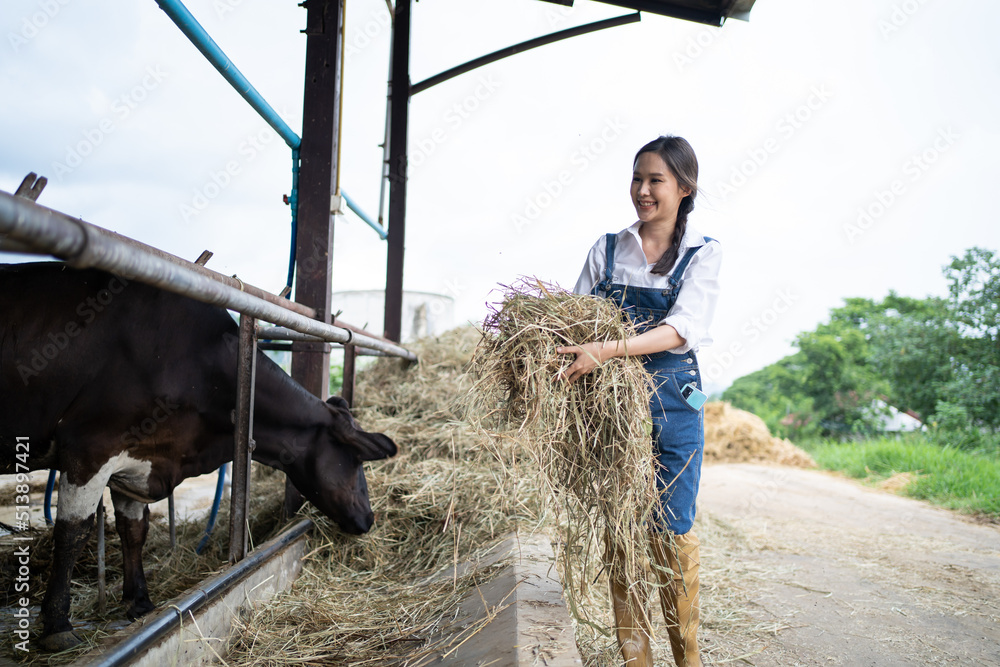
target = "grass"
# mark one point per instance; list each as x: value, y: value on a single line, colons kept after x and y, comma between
x: 958, y: 479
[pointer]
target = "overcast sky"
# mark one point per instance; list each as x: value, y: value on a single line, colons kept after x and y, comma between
x: 847, y: 148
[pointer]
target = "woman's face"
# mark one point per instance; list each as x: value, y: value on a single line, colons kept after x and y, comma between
x: 655, y: 192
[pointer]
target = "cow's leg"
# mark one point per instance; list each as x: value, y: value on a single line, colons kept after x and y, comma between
x: 132, y: 522
x: 74, y: 521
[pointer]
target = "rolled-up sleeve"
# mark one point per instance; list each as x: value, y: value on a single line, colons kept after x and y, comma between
x: 593, y: 268
x: 692, y: 314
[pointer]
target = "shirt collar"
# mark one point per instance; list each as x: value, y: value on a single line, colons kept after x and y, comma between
x: 692, y: 235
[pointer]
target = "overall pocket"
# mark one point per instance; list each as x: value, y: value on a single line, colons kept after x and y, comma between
x: 678, y: 379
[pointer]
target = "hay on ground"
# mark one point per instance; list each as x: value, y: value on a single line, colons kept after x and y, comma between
x: 371, y: 599
x: 734, y: 436
x: 169, y: 572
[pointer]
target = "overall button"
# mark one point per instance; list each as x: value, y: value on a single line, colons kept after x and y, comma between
x: 688, y: 360
x: 692, y: 373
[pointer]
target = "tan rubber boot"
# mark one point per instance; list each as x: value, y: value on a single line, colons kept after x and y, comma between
x: 633, y: 633
x: 631, y: 617
x: 677, y: 563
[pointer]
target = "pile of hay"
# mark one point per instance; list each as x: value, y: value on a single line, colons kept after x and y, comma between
x: 734, y: 436
x: 422, y: 406
x: 447, y: 496
x: 371, y: 599
x: 587, y: 441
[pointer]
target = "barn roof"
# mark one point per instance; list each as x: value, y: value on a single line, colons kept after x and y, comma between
x: 712, y: 12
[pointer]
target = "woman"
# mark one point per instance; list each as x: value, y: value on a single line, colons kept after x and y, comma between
x: 665, y: 275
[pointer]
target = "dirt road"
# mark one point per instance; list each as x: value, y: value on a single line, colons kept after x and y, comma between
x: 802, y: 567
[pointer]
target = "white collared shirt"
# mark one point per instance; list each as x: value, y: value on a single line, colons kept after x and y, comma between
x: 695, y: 307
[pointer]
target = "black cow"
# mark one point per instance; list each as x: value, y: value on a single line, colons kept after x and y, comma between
x: 115, y: 383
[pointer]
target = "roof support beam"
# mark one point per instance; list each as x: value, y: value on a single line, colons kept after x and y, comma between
x: 523, y: 46
x: 399, y: 111
x: 696, y: 15
x: 317, y: 179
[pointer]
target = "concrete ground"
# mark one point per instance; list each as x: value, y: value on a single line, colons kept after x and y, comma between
x: 802, y: 567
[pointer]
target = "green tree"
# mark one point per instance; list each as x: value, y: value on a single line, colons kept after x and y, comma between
x: 974, y: 294
x: 937, y: 357
x: 774, y: 393
x: 910, y: 343
x: 972, y: 396
x: 838, y: 378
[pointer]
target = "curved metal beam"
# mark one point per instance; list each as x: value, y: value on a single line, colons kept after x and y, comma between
x: 524, y: 46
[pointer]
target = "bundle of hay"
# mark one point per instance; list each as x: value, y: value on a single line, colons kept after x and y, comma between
x: 587, y: 441
x: 734, y: 436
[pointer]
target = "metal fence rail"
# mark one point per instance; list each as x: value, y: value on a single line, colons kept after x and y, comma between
x: 84, y: 245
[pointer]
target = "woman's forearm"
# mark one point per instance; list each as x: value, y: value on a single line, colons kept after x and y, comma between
x: 657, y: 339
x: 588, y: 356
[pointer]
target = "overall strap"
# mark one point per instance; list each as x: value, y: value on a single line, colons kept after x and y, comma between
x: 609, y: 265
x: 675, y: 276
x: 604, y: 285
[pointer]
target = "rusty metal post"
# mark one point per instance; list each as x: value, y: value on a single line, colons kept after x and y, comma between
x: 399, y: 120
x: 246, y: 375
x: 317, y: 182
x: 347, y: 391
x: 172, y: 519
x: 102, y: 589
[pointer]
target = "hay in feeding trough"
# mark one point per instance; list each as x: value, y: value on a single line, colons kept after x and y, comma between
x: 422, y: 406
x: 588, y: 441
x: 373, y: 599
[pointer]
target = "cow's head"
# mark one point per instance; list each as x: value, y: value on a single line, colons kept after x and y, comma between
x: 332, y: 477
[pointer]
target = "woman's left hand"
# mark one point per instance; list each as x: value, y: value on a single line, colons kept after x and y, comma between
x: 588, y: 357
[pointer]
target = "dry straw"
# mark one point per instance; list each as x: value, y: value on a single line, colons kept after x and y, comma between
x: 589, y: 440
x: 390, y: 597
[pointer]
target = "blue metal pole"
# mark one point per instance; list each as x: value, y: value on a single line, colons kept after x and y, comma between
x: 220, y: 484
x: 184, y: 20
x: 49, y: 487
x: 293, y: 201
x: 364, y: 216
x: 198, y: 36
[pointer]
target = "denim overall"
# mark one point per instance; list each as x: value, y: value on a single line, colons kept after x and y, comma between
x: 678, y: 429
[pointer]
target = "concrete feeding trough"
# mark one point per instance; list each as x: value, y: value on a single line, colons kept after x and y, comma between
x: 195, y: 627
x: 518, y: 618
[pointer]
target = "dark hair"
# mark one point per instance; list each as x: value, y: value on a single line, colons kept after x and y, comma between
x: 683, y: 164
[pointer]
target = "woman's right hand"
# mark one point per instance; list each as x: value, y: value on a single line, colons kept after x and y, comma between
x: 588, y: 357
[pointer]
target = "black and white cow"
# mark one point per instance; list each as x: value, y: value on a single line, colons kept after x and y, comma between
x: 118, y: 384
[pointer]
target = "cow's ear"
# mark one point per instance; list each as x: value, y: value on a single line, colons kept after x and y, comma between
x: 337, y: 402
x: 373, y: 446
x: 367, y: 446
